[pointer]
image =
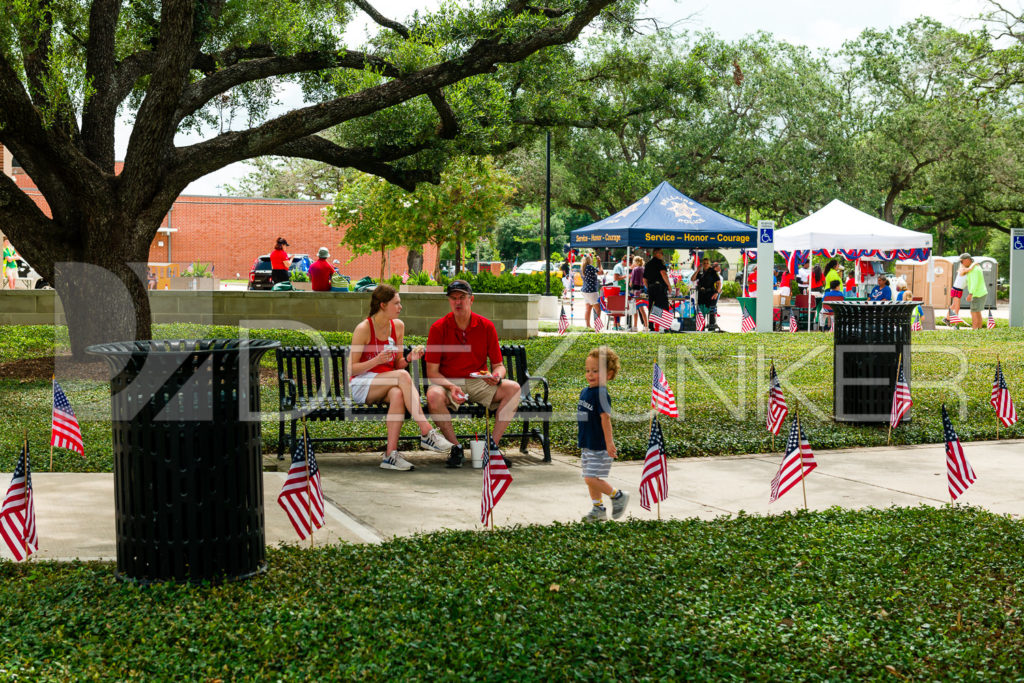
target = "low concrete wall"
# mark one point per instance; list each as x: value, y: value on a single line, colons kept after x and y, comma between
x: 515, y: 315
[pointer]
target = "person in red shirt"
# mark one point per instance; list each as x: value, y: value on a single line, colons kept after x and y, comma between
x: 321, y: 272
x: 458, y: 348
x: 280, y: 262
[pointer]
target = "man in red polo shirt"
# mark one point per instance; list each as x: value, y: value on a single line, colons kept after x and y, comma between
x: 458, y: 348
x: 320, y: 272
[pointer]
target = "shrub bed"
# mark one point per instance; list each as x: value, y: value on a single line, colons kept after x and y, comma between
x: 921, y: 593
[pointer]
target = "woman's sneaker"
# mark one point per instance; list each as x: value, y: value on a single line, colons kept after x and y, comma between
x: 395, y: 461
x: 598, y: 513
x: 435, y: 441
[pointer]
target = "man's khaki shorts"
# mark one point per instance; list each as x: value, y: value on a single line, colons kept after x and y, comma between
x: 978, y: 304
x: 478, y: 391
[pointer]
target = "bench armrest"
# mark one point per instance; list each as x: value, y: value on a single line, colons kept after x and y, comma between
x: 287, y: 391
x: 530, y: 379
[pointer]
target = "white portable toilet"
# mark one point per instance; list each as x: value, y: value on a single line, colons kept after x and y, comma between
x: 990, y: 267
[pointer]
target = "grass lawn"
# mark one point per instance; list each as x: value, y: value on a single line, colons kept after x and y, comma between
x: 920, y: 593
x: 720, y: 381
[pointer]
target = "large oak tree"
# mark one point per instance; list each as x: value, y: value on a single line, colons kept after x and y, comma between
x: 417, y: 94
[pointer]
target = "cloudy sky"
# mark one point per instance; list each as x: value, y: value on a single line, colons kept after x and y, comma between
x: 813, y: 23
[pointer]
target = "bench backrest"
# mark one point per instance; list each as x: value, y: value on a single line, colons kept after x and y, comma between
x: 322, y: 371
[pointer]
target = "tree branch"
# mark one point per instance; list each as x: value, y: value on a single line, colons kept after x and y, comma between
x: 398, y: 28
x: 99, y: 114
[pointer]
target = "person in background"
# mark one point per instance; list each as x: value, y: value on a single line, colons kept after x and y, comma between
x: 590, y: 288
x: 10, y: 263
x: 956, y: 292
x: 833, y: 293
x: 832, y: 273
x: 902, y: 293
x: 707, y: 283
x: 817, y: 278
x: 620, y: 275
x: 637, y: 290
x: 881, y: 292
x: 656, y: 279
x: 280, y: 262
x: 851, y: 283
x: 977, y: 292
x: 321, y: 272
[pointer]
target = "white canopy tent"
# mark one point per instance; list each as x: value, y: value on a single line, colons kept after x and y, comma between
x: 838, y: 225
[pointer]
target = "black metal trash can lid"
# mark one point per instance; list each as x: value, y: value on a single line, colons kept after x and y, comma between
x: 853, y: 306
x: 181, y: 346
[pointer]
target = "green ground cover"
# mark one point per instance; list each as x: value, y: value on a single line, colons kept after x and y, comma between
x: 720, y: 381
x: 913, y: 594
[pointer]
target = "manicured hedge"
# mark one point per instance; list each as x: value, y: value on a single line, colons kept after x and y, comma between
x: 897, y: 594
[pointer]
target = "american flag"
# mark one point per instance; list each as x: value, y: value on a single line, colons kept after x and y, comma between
x: 917, y: 326
x: 747, y: 324
x: 563, y: 322
x: 661, y: 317
x: 18, y: 513
x: 301, y: 497
x: 792, y: 323
x: 777, y: 408
x: 65, y: 431
x: 662, y: 398
x: 954, y: 318
x: 598, y: 325
x: 1001, y: 400
x: 958, y: 470
x: 991, y: 320
x: 796, y: 464
x: 791, y: 262
x: 700, y: 321
x: 654, y: 480
x: 405, y: 277
x: 496, y: 482
x: 901, y: 400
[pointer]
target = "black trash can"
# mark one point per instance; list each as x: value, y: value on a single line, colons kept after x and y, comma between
x: 188, y: 481
x: 870, y: 338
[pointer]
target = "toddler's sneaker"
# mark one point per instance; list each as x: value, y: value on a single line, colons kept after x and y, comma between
x: 598, y: 513
x: 619, y: 503
x: 395, y: 461
x: 454, y: 457
x: 435, y: 441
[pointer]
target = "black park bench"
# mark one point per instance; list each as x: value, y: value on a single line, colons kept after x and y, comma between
x: 313, y: 382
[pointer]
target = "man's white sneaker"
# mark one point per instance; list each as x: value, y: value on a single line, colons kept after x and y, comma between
x: 435, y: 441
x: 395, y: 461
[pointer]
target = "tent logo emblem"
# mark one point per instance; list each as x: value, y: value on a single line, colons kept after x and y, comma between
x: 767, y: 235
x: 685, y: 211
x: 1018, y: 242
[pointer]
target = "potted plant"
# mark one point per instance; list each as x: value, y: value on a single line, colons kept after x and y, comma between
x: 300, y: 281
x: 197, y: 277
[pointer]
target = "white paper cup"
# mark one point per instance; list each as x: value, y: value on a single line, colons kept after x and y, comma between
x: 476, y: 451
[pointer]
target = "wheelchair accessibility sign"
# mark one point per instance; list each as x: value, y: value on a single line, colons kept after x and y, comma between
x: 1018, y: 242
x: 768, y: 235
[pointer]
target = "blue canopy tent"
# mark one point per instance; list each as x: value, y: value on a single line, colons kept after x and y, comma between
x: 666, y: 217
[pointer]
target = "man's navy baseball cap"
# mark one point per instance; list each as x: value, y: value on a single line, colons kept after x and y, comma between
x: 459, y: 286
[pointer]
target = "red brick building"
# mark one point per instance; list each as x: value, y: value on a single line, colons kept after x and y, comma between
x: 230, y: 232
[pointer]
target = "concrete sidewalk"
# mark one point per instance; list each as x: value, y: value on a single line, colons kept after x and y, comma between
x: 75, y: 512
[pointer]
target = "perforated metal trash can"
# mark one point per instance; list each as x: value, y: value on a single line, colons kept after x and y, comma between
x: 869, y: 340
x: 188, y: 481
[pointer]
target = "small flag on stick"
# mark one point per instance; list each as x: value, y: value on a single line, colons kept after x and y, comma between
x: 701, y: 323
x: 598, y: 325
x: 901, y: 400
x: 747, y: 324
x: 796, y: 464
x: 302, y: 497
x: 662, y: 398
x: 954, y: 318
x: 959, y: 472
x: 65, y: 431
x: 18, y: 513
x: 496, y: 481
x: 1001, y: 401
x: 991, y: 320
x: 792, y: 323
x: 777, y: 408
x: 563, y: 322
x: 661, y: 317
x: 654, y: 480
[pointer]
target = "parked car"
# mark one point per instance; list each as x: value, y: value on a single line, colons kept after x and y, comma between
x: 28, y: 278
x: 259, y: 274
x: 530, y: 267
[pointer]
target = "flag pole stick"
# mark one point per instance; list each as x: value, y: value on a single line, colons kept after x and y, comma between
x: 52, y: 379
x: 487, y: 445
x: 899, y: 364
x: 772, y: 361
x: 28, y: 466
x: 997, y: 412
x: 309, y: 492
x: 800, y: 446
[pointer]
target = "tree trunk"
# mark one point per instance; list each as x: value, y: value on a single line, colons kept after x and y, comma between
x: 414, y: 260
x: 458, y: 256
x: 105, y: 297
